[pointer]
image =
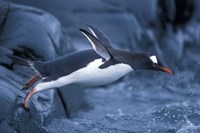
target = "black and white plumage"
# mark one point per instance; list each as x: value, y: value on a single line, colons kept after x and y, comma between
x: 94, y: 67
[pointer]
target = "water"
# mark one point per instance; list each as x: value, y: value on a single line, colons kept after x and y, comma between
x: 148, y: 103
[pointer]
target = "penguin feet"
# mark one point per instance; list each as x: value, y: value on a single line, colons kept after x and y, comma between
x: 26, y: 103
x: 25, y: 87
x: 31, y: 82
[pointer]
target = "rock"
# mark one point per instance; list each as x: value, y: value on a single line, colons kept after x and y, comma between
x: 5, y: 128
x: 36, y: 35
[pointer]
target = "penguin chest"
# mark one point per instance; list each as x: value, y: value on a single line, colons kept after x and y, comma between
x: 92, y: 75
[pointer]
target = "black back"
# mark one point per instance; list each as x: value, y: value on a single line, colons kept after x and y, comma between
x: 66, y: 64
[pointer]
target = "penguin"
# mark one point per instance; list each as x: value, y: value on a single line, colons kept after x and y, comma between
x: 93, y: 67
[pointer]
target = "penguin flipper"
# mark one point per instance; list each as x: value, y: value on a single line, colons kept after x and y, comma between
x: 98, y: 46
x: 100, y: 35
x: 108, y: 63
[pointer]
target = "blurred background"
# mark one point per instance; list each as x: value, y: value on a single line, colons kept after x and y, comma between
x: 142, y: 102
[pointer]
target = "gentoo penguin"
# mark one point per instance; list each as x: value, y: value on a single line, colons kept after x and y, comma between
x: 94, y: 67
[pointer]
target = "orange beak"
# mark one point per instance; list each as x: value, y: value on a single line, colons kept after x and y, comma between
x: 166, y: 70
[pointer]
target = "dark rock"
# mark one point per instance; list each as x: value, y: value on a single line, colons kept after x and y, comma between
x: 5, y: 128
x: 36, y: 35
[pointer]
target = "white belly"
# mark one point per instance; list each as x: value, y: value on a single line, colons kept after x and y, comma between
x: 91, y: 75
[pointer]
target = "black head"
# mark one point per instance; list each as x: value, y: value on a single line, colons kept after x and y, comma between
x: 148, y: 62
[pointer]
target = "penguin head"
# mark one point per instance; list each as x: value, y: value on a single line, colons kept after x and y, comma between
x: 150, y: 62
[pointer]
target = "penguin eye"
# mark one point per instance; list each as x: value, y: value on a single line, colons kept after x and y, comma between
x: 154, y: 64
x: 154, y: 60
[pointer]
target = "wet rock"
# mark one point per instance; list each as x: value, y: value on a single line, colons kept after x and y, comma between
x: 36, y: 35
x: 5, y: 127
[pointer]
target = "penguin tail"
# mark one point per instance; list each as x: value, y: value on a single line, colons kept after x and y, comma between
x: 37, y: 66
x: 21, y: 61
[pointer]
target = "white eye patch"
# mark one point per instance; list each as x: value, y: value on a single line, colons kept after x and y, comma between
x: 154, y: 59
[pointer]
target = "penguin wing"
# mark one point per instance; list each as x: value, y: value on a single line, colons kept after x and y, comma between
x: 97, y: 45
x: 100, y: 35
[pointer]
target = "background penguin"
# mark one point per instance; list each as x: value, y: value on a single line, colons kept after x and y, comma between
x: 94, y: 67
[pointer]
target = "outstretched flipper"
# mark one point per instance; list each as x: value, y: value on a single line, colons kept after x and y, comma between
x: 100, y: 35
x: 98, y: 46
